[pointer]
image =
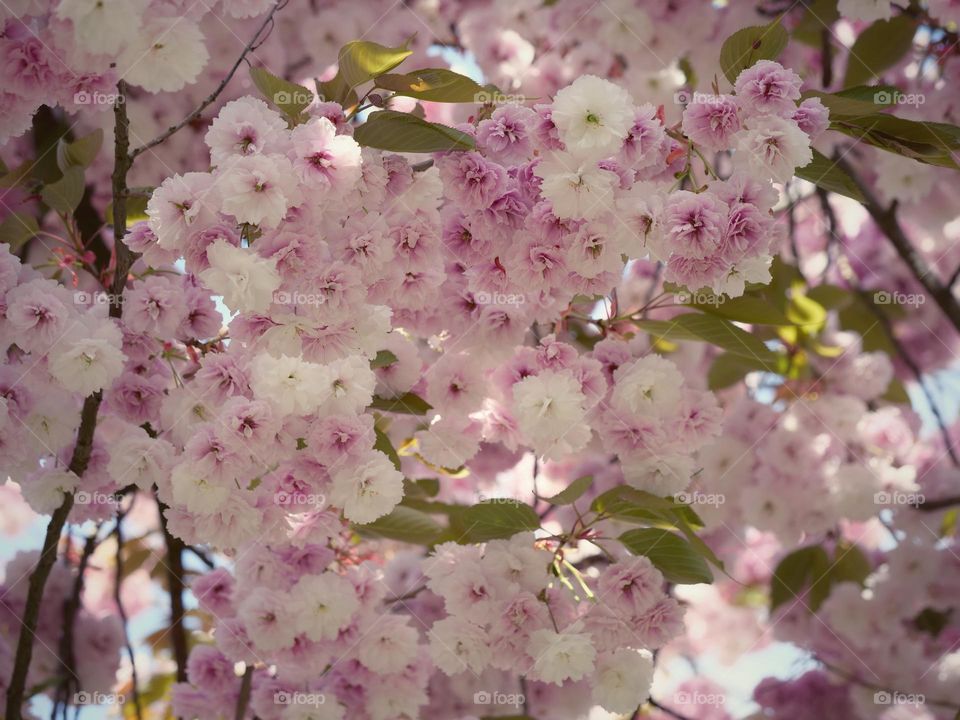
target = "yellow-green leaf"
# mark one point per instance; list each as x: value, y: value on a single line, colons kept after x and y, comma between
x: 433, y: 85
x: 361, y: 61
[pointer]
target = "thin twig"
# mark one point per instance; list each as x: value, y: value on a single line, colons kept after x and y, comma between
x: 254, y: 43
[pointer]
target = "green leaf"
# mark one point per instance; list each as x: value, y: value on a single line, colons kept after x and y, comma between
x: 816, y: 20
x: 746, y: 308
x: 861, y: 319
x: 831, y: 297
x: 336, y: 90
x: 750, y: 44
x: 728, y: 369
x: 879, y: 47
x: 66, y: 193
x: 16, y: 229
x: 80, y: 152
x: 361, y: 61
x: 433, y: 85
x: 406, y: 404
x: 404, y: 524
x: 927, y: 142
x: 803, y: 567
x: 403, y: 132
x: 825, y: 173
x: 497, y: 519
x: 384, y: 445
x: 856, y: 101
x: 572, y: 492
x: 291, y: 99
x: 849, y: 564
x: 896, y: 393
x: 671, y: 554
x: 715, y: 330
x: 627, y: 504
x: 383, y: 359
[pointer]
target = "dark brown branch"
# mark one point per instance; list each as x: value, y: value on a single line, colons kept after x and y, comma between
x: 117, y: 585
x: 88, y: 423
x: 69, y: 684
x: 48, y: 554
x: 255, y: 42
x: 244, y: 698
x: 886, y: 220
x: 176, y: 588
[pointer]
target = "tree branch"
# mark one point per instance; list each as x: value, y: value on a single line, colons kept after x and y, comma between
x: 254, y: 43
x: 71, y: 606
x: 117, y: 585
x: 88, y: 423
x: 244, y: 698
x: 886, y: 220
x: 176, y: 587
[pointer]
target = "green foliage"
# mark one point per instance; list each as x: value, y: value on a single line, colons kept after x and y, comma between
x: 66, y: 193
x: 807, y: 575
x: 825, y: 173
x: 670, y: 553
x: 715, y: 330
x: 406, y: 525
x: 361, y: 61
x: 497, y: 519
x: 291, y: 99
x: 927, y: 142
x: 573, y: 491
x: 434, y: 85
x: 750, y: 44
x: 79, y: 153
x: 384, y: 445
x: 384, y: 358
x: 879, y: 47
x: 404, y: 132
x: 406, y: 404
x: 16, y: 229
